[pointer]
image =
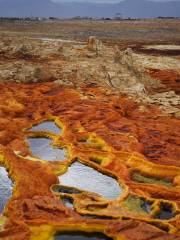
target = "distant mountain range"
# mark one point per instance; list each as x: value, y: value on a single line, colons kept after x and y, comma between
x: 128, y: 8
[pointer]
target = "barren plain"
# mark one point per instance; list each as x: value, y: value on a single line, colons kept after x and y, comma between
x: 89, y: 130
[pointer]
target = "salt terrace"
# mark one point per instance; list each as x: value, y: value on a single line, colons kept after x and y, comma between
x: 89, y: 141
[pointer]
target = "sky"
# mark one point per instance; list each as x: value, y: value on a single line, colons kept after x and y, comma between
x: 129, y: 8
x: 105, y: 1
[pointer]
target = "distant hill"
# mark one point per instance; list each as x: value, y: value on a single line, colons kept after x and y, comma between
x: 128, y: 8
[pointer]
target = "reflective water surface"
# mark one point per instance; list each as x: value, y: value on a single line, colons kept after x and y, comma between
x: 146, y: 206
x: 41, y: 147
x: 48, y: 126
x: 80, y: 236
x: 150, y: 180
x: 67, y: 202
x: 6, y: 186
x: 65, y: 189
x: 138, y: 204
x: 88, y: 179
x: 166, y: 212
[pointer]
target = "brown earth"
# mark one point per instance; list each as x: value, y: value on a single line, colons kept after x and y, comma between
x: 169, y: 78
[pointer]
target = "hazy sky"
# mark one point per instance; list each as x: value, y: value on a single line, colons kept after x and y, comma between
x: 129, y: 8
x: 105, y: 1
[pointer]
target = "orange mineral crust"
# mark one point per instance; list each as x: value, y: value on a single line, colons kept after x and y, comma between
x: 169, y: 78
x: 134, y: 146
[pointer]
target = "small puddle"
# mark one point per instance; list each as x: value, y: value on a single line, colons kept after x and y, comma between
x: 41, y: 148
x: 46, y: 39
x: 166, y: 212
x: 98, y: 217
x: 143, y: 179
x: 65, y: 189
x: 68, y: 202
x: 86, y: 178
x: 80, y: 236
x: 137, y: 204
x: 47, y: 126
x: 84, y: 141
x: 146, y: 206
x: 6, y: 186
